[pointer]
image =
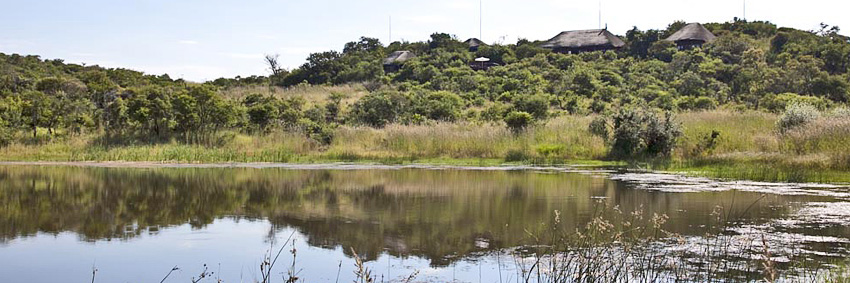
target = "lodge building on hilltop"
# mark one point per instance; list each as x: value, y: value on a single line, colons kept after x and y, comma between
x: 577, y: 41
x: 396, y: 60
x: 473, y: 44
x: 691, y: 36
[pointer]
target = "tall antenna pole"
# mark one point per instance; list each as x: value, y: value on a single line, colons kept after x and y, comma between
x: 391, y: 31
x: 481, y: 19
x: 600, y: 14
x: 745, y: 10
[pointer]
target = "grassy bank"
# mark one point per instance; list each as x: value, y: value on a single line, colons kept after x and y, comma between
x: 747, y: 147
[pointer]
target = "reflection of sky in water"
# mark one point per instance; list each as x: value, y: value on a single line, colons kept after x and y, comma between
x: 232, y: 249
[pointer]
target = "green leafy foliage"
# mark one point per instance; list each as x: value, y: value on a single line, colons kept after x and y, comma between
x: 643, y: 133
x: 518, y: 121
x: 796, y: 115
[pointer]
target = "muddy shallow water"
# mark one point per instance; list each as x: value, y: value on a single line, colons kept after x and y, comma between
x: 135, y: 222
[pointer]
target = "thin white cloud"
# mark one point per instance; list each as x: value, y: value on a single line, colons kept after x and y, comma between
x: 188, y: 42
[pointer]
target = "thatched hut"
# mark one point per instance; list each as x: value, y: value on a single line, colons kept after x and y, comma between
x: 396, y: 60
x: 577, y: 41
x: 473, y: 44
x: 691, y: 36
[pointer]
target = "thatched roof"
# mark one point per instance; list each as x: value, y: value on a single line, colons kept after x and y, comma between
x: 474, y: 42
x: 584, y: 39
x: 693, y: 31
x: 398, y: 57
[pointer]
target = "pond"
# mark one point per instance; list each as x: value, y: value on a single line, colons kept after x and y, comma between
x: 59, y: 223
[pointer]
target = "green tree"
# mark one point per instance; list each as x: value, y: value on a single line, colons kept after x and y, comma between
x: 262, y: 111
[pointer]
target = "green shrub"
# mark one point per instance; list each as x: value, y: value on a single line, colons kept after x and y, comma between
x: 797, y: 114
x: 780, y: 102
x: 706, y: 144
x: 685, y: 103
x: 627, y: 133
x: 599, y: 127
x: 660, y: 136
x: 494, y: 112
x: 840, y: 112
x: 517, y: 121
x: 378, y: 109
x: 441, y: 106
x: 642, y: 132
x: 705, y: 103
x: 536, y: 105
x: 6, y: 134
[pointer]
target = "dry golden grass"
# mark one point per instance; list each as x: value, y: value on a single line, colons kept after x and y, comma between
x: 560, y: 138
x: 739, y: 132
x: 313, y: 94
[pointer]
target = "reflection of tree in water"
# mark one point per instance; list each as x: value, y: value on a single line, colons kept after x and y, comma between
x: 441, y: 215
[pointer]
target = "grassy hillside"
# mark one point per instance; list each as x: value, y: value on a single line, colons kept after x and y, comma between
x: 758, y: 102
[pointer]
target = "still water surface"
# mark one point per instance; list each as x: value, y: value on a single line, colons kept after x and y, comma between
x: 136, y: 224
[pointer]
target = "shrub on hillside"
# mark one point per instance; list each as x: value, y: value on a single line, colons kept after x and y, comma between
x: 517, y: 121
x: 440, y: 106
x: 5, y: 134
x: 779, y: 102
x: 797, y: 114
x: 840, y: 112
x: 705, y: 103
x: 378, y: 109
x: 599, y: 127
x: 536, y: 105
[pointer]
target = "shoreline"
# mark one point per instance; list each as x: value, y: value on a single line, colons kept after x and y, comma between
x: 578, y: 168
x: 567, y: 168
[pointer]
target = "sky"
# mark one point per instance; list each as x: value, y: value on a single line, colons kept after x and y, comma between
x: 201, y: 40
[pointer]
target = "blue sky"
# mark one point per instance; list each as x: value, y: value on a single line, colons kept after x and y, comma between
x: 200, y: 40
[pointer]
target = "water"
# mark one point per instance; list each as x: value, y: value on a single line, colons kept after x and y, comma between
x: 57, y: 223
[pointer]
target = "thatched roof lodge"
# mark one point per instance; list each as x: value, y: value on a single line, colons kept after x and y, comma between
x: 473, y: 44
x: 584, y: 41
x: 691, y: 36
x: 396, y: 60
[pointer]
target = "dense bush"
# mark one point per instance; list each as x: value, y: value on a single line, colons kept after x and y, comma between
x: 599, y: 127
x: 380, y: 108
x: 797, y: 114
x: 517, y: 121
x: 642, y: 133
x: 779, y: 102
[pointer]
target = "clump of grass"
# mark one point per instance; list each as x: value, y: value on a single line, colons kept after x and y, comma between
x: 829, y: 135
